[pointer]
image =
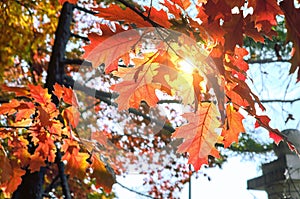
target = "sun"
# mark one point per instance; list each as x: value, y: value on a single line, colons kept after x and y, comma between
x: 185, y: 66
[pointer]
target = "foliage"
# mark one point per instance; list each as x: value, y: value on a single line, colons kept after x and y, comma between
x: 36, y: 125
x: 144, y: 50
x: 27, y: 29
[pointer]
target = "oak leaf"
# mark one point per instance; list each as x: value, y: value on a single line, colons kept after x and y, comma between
x: 102, y: 175
x: 9, y: 108
x: 36, y: 162
x: 69, y: 97
x: 5, y: 167
x: 233, y: 126
x: 130, y: 89
x: 39, y: 94
x: 263, y: 121
x: 72, y: 115
x: 293, y: 32
x: 58, y: 91
x: 265, y: 12
x: 116, y: 13
x: 200, y: 134
x: 14, y: 182
x: 172, y: 8
x: 109, y: 50
x: 25, y: 110
x: 19, y: 91
x: 76, y: 161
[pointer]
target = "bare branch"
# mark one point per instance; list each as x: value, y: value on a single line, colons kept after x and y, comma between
x: 134, y: 191
x: 131, y: 7
x: 265, y: 61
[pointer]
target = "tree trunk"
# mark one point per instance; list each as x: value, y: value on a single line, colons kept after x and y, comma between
x: 32, y: 183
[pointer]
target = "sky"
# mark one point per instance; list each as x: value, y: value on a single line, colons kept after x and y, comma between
x: 228, y: 182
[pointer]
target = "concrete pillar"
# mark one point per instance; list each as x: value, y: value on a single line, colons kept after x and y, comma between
x: 281, y: 177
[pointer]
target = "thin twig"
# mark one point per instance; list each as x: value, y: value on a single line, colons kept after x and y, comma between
x: 85, y: 10
x: 131, y: 7
x: 265, y: 61
x: 134, y: 191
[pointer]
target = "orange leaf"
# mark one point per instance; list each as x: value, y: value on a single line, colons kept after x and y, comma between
x: 137, y: 86
x: 103, y: 177
x: 58, y: 91
x: 14, y: 182
x: 184, y: 4
x: 76, y: 161
x: 199, y: 134
x: 69, y: 97
x: 144, y: 93
x: 100, y: 137
x: 159, y: 17
x: 172, y: 8
x: 39, y: 94
x: 70, y: 1
x: 72, y: 115
x: 25, y: 110
x: 233, y: 126
x: 36, y: 162
x: 19, y: 91
x: 116, y: 13
x: 9, y: 108
x: 5, y: 167
x: 44, y: 117
x: 109, y: 47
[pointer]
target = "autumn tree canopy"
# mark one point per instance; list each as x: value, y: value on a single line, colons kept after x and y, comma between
x: 95, y: 89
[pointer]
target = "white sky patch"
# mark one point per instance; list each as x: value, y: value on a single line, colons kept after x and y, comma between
x: 235, y: 10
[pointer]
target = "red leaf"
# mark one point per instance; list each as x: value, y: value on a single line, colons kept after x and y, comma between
x: 199, y: 134
x: 234, y: 32
x: 233, y: 126
x: 277, y: 138
x: 263, y: 121
x: 44, y: 117
x: 265, y: 12
x: 292, y: 16
x: 159, y: 16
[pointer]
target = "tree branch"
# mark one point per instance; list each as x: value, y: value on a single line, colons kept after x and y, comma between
x: 280, y: 100
x: 134, y: 191
x: 131, y: 7
x: 106, y: 97
x: 85, y: 10
x: 265, y: 61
